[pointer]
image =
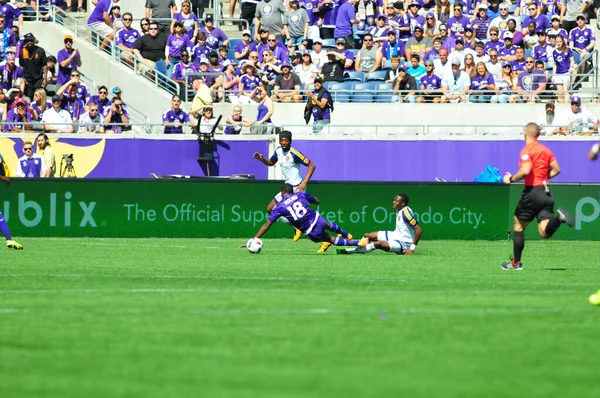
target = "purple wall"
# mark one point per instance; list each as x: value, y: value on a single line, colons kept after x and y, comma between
x: 335, y: 160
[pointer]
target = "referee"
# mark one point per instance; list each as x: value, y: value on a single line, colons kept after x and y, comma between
x: 537, y: 165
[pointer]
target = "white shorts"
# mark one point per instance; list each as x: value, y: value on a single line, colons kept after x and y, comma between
x: 102, y: 29
x: 561, y: 79
x: 313, y: 33
x: 396, y: 246
x: 278, y: 198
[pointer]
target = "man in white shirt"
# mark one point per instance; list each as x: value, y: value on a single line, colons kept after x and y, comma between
x: 442, y: 65
x: 577, y: 120
x: 455, y: 85
x: 460, y: 51
x: 91, y: 121
x: 56, y: 119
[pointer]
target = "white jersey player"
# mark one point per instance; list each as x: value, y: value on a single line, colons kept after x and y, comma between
x: 402, y: 240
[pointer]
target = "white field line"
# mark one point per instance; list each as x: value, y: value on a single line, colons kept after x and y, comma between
x: 13, y: 311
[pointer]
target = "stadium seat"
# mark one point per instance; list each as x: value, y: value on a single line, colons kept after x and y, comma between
x: 363, y: 92
x: 342, y: 91
x: 382, y: 95
x: 377, y: 75
x: 354, y: 51
x: 233, y: 42
x: 354, y: 76
x: 328, y: 43
x: 231, y: 54
x: 387, y: 64
x: 328, y: 85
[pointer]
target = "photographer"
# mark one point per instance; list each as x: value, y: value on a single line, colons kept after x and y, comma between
x: 116, y: 117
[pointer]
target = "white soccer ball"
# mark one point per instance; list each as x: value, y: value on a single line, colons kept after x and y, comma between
x: 254, y: 245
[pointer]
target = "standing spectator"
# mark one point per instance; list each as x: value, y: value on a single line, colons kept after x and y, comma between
x: 127, y: 37
x: 405, y: 87
x: 543, y: 51
x: 481, y: 22
x: 263, y: 123
x: 269, y: 14
x: 181, y: 72
x: 540, y: 20
x: 70, y: 102
x: 70, y: 6
x: 151, y: 47
x: 161, y: 11
x: 430, y: 85
x: 176, y: 43
x: 175, y: 118
x: 455, y: 85
x: 91, y: 121
x: 345, y: 19
x: 33, y: 61
x: 243, y: 49
x: 3, y: 104
x: 369, y: 57
x: 12, y: 76
x: 458, y: 22
x: 101, y: 100
x: 51, y: 75
x: 200, y: 50
x: 563, y: 66
x: 548, y: 121
x: 249, y: 11
x: 214, y: 36
x: 482, y: 85
x: 582, y: 41
x: 99, y: 21
x: 116, y: 120
x: 30, y: 165
x: 19, y: 118
x: 289, y: 83
x: 7, y: 38
x: 319, y: 105
x: 69, y: 60
x: 208, y: 121
x: 569, y: 11
x: 56, y: 119
x: 295, y: 25
x: 11, y: 13
x: 235, y: 122
x: 328, y: 12
x: 45, y: 151
x: 203, y: 97
x: 188, y: 19
x: 418, y: 45
x: 530, y: 84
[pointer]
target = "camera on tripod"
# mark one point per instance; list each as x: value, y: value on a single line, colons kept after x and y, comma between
x: 66, y: 166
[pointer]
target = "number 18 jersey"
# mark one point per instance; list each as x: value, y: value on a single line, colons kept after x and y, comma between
x: 295, y: 208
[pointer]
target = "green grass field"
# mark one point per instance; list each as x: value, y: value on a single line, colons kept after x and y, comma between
x: 191, y: 317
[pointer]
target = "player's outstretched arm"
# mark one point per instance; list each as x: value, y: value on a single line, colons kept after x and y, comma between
x: 263, y: 229
x: 5, y: 180
x: 263, y: 160
x: 311, y: 170
x: 418, y: 233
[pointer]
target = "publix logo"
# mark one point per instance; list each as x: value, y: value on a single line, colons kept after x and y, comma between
x: 58, y: 211
x: 587, y: 210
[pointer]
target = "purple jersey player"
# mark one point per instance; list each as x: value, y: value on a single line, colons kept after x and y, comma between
x: 295, y: 208
x: 10, y: 243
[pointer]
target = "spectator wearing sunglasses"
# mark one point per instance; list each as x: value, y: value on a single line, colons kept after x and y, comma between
x: 151, y: 47
x: 101, y: 100
x: 99, y: 20
x: 11, y: 75
x: 30, y: 165
x: 69, y: 59
x: 92, y: 120
x: 127, y: 37
x: 175, y: 118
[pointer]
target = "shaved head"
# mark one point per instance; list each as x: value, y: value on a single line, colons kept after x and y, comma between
x: 532, y: 130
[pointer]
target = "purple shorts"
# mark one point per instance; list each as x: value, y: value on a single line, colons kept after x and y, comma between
x: 319, y: 231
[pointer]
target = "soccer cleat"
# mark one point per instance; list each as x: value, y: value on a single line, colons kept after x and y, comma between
x: 349, y: 237
x: 11, y: 244
x: 342, y: 250
x: 565, y: 216
x: 363, y: 242
x: 297, y: 235
x: 510, y: 266
x: 324, y: 247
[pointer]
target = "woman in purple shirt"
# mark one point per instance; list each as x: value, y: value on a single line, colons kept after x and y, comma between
x: 482, y: 85
x: 176, y: 43
x: 188, y: 19
x: 563, y: 65
x: 248, y: 82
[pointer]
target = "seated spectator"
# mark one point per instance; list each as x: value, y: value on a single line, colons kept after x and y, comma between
x: 144, y: 26
x: 530, y: 37
x: 214, y: 36
x: 40, y: 104
x: 3, y: 104
x: 30, y: 165
x: 175, y: 118
x: 91, y: 121
x: 405, y: 88
x: 494, y: 42
x: 548, y: 122
x: 229, y: 83
x: 19, y: 118
x: 82, y: 89
x: 235, y: 122
x: 126, y: 38
x: 243, y: 49
x: 540, y: 21
x: 430, y: 85
x: 530, y: 84
x: 306, y: 70
x: 455, y: 85
x: 12, y: 76
x: 116, y: 118
x: 380, y: 30
x: 279, y: 50
x: 577, y: 120
x: 434, y: 53
x: 460, y: 52
x: 482, y: 85
x: 509, y: 51
x: 333, y: 71
x: 369, y: 57
x: 189, y: 20
x: 56, y: 119
x: 392, y: 47
x: 176, y: 43
x: 70, y: 102
x: 481, y: 22
x: 469, y: 67
x: 115, y: 16
x: 443, y: 66
x: 480, y: 55
x: 150, y: 48
x: 263, y: 123
x: 418, y: 44
x: 392, y: 74
x: 515, y: 32
x: 200, y: 50
x: 287, y: 86
x: 208, y: 121
x: 432, y: 26
x: 505, y: 83
x: 51, y: 74
x: 318, y: 56
x: 248, y: 82
x: 181, y: 72
x: 101, y: 100
x: 458, y: 22
x: 493, y: 66
x: 518, y: 65
x: 223, y: 52
x: 99, y: 21
x: 269, y: 69
x: 340, y: 47
x: 416, y: 70
x: 555, y: 29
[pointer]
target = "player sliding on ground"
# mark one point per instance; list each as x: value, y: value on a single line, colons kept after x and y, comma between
x: 537, y: 165
x: 289, y: 159
x: 10, y: 243
x: 294, y: 207
x: 403, y: 240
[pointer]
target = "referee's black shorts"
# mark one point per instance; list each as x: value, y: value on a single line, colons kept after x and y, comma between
x: 535, y: 202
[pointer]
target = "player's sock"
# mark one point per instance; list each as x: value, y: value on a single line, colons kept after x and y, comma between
x: 336, y: 228
x: 4, y: 228
x: 368, y: 248
x: 518, y: 246
x: 552, y: 226
x: 345, y: 242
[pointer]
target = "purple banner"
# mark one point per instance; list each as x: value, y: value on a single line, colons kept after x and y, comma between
x: 335, y: 160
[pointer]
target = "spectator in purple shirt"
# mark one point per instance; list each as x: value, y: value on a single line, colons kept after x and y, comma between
x: 19, y: 117
x: 530, y: 85
x: 12, y: 76
x: 244, y: 47
x: 127, y: 37
x: 175, y: 118
x: 99, y: 21
x: 248, y: 82
x: 581, y: 40
x: 69, y: 60
x: 508, y: 52
x: 340, y: 46
x: 540, y: 20
x: 214, y: 36
x: 481, y: 22
x: 200, y: 50
x: 458, y: 22
x: 116, y: 119
x: 181, y: 72
x: 345, y: 19
x: 564, y: 64
x: 70, y: 102
x: 40, y: 103
x: 11, y: 12
x: 176, y: 43
x: 188, y: 19
x: 7, y: 38
x: 280, y: 52
x: 482, y: 85
x: 101, y: 99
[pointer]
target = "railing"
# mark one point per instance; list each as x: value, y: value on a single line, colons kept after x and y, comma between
x: 400, y: 131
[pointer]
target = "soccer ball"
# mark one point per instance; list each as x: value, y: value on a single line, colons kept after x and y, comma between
x: 254, y: 245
